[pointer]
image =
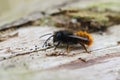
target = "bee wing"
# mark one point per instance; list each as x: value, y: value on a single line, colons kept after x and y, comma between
x: 78, y: 37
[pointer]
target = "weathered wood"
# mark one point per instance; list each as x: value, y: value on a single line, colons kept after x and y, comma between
x: 22, y: 57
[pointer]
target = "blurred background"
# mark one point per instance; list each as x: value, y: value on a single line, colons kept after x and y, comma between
x: 11, y: 10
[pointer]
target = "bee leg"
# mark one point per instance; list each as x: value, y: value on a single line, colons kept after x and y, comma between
x: 57, y: 45
x: 84, y: 47
x: 45, y: 43
x: 68, y: 48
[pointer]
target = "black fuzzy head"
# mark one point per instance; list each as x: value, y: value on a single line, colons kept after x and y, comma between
x: 61, y: 35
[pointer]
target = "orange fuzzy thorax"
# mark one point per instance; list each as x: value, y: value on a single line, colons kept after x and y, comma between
x: 85, y: 35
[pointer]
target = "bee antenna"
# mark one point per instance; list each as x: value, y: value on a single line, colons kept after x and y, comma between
x: 47, y: 40
x: 45, y: 35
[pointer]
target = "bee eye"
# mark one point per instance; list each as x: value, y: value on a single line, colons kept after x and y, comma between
x: 58, y: 35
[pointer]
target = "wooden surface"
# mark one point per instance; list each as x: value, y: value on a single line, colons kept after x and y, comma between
x: 22, y: 58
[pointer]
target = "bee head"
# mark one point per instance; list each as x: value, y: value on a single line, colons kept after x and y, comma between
x: 57, y: 36
x: 61, y: 35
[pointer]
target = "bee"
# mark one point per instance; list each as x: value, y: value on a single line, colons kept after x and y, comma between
x: 68, y: 38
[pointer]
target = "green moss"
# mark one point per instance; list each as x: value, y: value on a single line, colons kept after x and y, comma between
x: 112, y: 5
x: 90, y: 15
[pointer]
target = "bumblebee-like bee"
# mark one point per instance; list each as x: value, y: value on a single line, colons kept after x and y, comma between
x: 69, y: 38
